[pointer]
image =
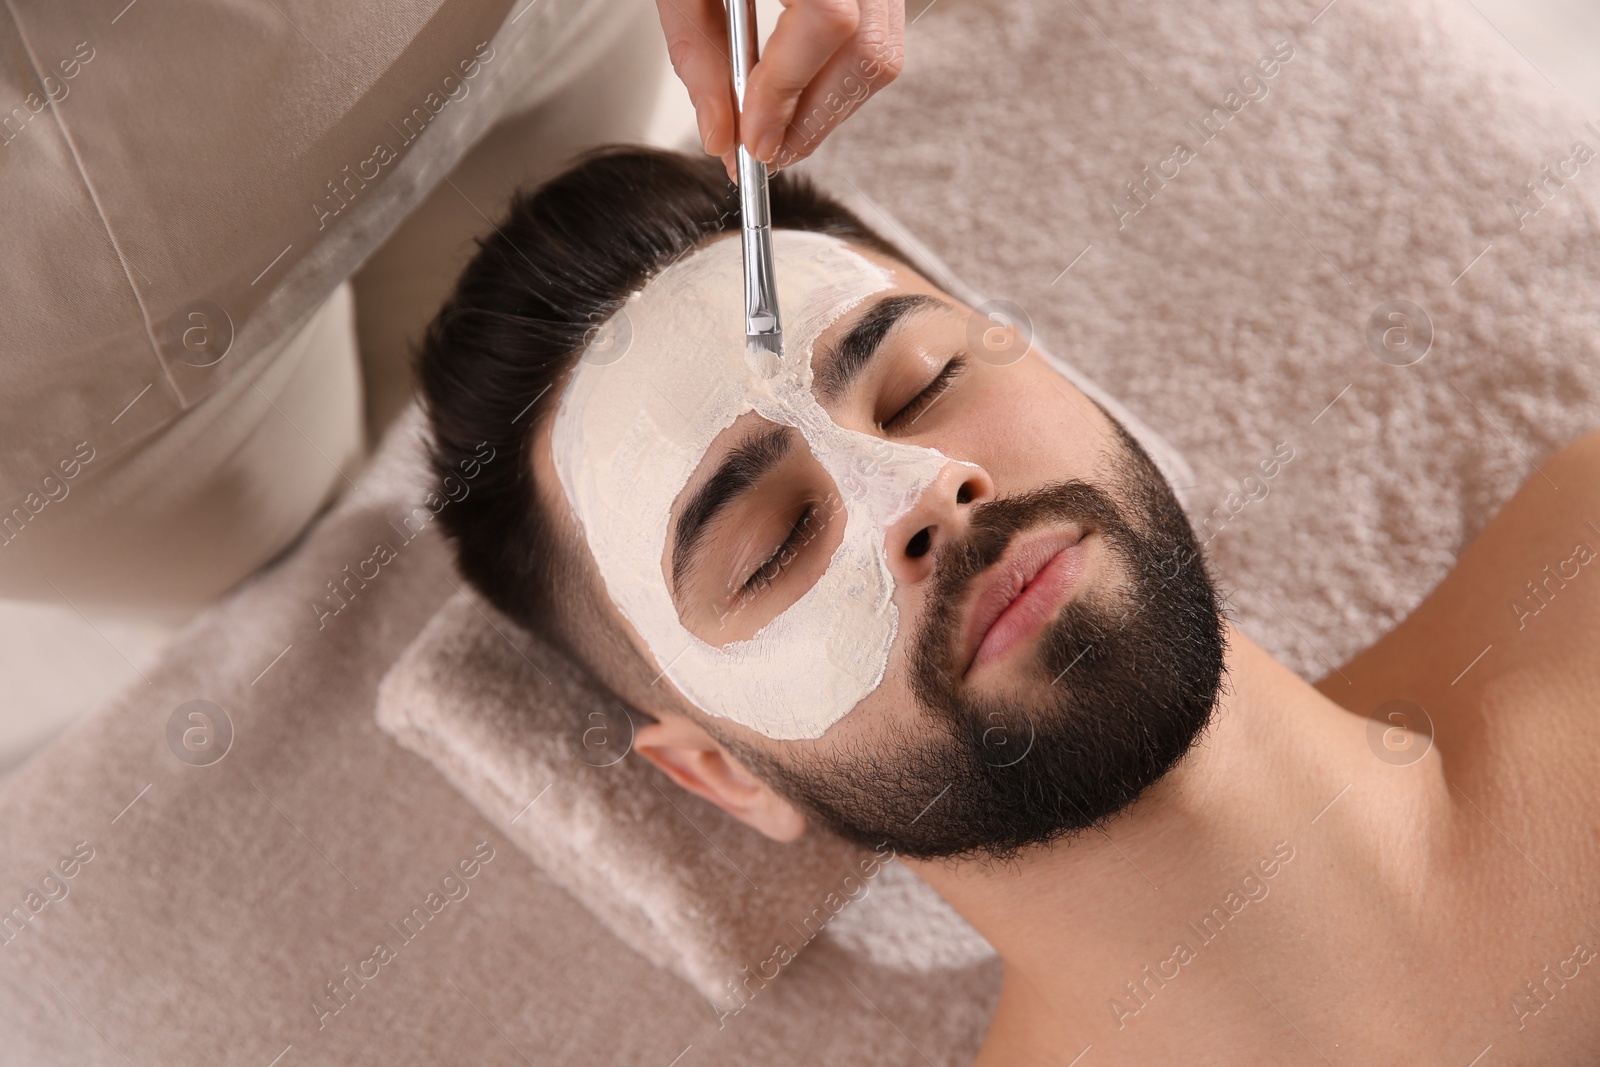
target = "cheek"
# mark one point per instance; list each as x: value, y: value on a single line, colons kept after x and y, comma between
x: 1027, y: 425
x: 889, y: 711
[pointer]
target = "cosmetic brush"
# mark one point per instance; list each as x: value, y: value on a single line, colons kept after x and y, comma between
x: 763, y: 330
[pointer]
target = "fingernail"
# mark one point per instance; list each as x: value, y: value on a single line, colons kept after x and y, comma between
x: 768, y: 146
x: 702, y: 119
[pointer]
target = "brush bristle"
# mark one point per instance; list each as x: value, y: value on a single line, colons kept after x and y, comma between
x: 764, y: 351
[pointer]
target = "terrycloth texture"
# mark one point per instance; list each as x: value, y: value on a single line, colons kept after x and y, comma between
x: 212, y: 912
x: 1389, y: 160
x: 546, y: 758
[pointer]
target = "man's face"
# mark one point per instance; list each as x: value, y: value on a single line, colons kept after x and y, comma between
x: 1051, y: 644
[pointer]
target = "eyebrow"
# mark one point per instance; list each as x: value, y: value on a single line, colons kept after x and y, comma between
x: 748, y: 463
x: 741, y: 468
x: 844, y: 364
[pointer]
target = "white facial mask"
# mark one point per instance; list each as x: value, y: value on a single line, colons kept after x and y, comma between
x: 630, y: 433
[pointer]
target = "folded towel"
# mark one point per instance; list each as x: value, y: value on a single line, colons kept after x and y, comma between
x: 545, y: 756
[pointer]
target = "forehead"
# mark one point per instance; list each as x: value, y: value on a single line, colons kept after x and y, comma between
x: 701, y: 308
x: 668, y: 371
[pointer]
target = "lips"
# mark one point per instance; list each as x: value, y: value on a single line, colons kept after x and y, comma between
x: 1020, y: 593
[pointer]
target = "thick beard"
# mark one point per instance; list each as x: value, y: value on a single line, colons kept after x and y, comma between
x: 1136, y: 673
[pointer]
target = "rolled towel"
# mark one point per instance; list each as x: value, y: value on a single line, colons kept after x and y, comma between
x: 546, y: 756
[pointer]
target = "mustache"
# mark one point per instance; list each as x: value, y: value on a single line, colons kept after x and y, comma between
x: 991, y: 527
x: 994, y: 524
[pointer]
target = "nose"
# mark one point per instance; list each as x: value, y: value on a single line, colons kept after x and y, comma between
x: 939, y: 515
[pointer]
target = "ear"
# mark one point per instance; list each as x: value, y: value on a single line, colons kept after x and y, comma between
x: 697, y: 762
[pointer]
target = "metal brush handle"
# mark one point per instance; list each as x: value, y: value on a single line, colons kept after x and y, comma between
x: 760, y: 286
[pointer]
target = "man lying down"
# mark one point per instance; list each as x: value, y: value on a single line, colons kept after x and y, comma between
x: 928, y: 602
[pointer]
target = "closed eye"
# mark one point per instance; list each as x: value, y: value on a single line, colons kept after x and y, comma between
x: 763, y: 576
x: 907, y: 416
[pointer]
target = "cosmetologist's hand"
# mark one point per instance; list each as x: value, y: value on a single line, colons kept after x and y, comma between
x: 823, y: 60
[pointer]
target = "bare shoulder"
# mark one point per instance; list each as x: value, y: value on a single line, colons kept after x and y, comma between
x: 1513, y: 631
x: 1502, y: 662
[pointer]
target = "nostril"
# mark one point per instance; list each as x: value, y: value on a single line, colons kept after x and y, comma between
x: 964, y: 494
x: 918, y: 546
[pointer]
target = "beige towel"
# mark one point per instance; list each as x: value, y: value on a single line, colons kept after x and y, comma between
x: 546, y: 758
x: 1391, y: 143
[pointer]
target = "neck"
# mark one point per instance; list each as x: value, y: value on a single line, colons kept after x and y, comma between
x: 1281, y: 812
